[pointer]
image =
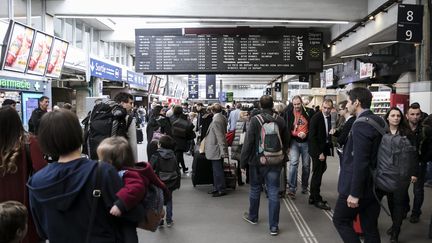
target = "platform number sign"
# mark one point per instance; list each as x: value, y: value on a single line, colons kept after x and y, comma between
x: 410, y: 23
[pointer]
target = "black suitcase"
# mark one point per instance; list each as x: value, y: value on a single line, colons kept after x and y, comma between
x: 139, y: 135
x: 230, y: 174
x: 202, y: 171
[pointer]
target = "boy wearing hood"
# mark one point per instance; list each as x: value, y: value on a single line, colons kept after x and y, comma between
x: 165, y: 165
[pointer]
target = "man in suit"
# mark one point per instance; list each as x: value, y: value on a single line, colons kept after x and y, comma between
x: 320, y: 146
x: 216, y: 149
x: 355, y: 184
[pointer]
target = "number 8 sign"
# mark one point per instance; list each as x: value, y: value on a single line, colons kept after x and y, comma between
x: 410, y: 23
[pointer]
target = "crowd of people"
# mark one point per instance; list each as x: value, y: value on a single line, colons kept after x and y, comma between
x: 50, y: 187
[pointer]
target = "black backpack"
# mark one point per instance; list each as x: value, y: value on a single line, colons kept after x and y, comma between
x: 396, y: 159
x: 107, y: 119
x: 182, y: 128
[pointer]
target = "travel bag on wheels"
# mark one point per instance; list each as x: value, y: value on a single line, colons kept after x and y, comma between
x: 202, y: 171
x: 230, y: 174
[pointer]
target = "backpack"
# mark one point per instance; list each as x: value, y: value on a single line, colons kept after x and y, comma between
x: 181, y: 128
x: 153, y: 208
x: 167, y: 170
x: 395, y: 159
x: 107, y: 119
x: 270, y: 148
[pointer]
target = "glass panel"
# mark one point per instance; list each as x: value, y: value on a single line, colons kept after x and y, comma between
x: 68, y: 30
x: 4, y: 6
x: 79, y: 35
x: 94, y: 42
x: 57, y: 27
x: 105, y: 49
x: 20, y: 11
x: 36, y: 12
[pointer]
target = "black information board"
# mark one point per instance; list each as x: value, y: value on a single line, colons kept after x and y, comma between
x: 410, y: 23
x: 228, y: 50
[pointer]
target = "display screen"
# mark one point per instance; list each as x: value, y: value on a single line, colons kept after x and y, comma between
x: 40, y: 53
x: 57, y: 58
x: 228, y: 50
x: 18, y: 49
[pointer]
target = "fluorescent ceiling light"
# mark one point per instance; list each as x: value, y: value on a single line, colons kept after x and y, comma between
x: 356, y: 55
x: 333, y: 64
x: 206, y: 19
x: 382, y: 43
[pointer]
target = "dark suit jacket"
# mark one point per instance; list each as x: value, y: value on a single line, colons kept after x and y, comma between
x: 342, y: 135
x: 359, y: 155
x: 318, y: 137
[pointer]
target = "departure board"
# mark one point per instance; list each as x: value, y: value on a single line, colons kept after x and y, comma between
x: 228, y: 50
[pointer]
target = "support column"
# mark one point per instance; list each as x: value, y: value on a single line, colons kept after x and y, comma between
x: 81, y: 94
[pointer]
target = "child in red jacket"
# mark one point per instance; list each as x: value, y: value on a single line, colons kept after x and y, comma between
x: 136, y: 176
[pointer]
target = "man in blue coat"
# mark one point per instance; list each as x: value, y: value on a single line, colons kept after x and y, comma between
x: 355, y: 184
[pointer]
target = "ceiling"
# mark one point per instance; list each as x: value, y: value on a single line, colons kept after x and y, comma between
x: 121, y: 19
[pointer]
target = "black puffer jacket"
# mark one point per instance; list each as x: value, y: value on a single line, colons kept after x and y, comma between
x: 154, y: 123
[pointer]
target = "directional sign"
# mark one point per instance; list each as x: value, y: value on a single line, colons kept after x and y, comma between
x: 104, y: 70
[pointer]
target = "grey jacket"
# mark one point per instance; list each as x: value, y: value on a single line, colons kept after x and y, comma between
x: 215, y: 142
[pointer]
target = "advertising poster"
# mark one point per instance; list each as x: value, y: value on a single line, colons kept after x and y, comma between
x: 162, y: 86
x: 193, y: 86
x: 57, y: 57
x: 329, y: 77
x: 40, y: 53
x: 366, y: 70
x: 18, y: 50
x: 210, y: 86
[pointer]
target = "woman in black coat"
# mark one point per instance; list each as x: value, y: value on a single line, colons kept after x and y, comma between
x: 398, y: 200
x: 157, y: 126
x: 182, y: 132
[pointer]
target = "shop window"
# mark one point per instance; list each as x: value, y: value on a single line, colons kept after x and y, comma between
x: 20, y: 11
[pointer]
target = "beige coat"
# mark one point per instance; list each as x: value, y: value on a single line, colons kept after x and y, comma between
x: 215, y: 142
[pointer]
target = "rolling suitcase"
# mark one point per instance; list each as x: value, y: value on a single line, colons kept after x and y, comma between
x: 139, y: 135
x: 202, y: 171
x: 230, y: 174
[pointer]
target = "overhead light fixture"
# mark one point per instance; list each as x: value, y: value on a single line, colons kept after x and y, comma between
x: 333, y: 64
x: 204, y: 19
x: 382, y: 43
x: 371, y: 17
x: 328, y: 45
x: 356, y: 55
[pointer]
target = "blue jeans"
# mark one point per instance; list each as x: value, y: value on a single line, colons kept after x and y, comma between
x: 218, y: 175
x: 270, y: 176
x: 297, y: 149
x: 418, y: 191
x: 169, y: 209
x: 429, y: 172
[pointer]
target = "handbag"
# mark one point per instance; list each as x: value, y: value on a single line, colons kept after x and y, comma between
x: 230, y: 137
x: 202, y: 146
x: 153, y: 209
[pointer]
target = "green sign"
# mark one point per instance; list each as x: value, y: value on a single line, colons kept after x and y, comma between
x: 14, y: 84
x: 229, y: 96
